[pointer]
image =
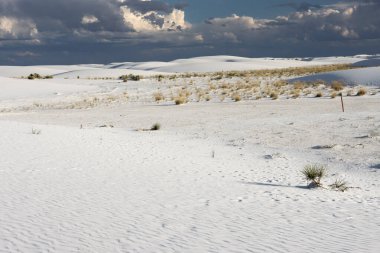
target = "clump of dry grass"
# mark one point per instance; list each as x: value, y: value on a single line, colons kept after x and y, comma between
x: 180, y: 100
x: 236, y: 97
x: 299, y: 85
x: 319, y: 94
x: 361, y: 92
x: 158, y: 96
x: 273, y: 95
x: 296, y: 93
x: 333, y: 95
x: 337, y: 85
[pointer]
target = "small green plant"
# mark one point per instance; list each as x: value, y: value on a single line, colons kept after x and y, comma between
x: 314, y: 173
x: 156, y: 127
x: 339, y: 185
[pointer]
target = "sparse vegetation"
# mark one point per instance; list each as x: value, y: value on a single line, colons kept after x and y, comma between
x: 361, y: 92
x: 319, y: 94
x: 273, y: 95
x: 339, y: 185
x: 236, y: 97
x: 156, y: 127
x: 38, y: 76
x: 314, y: 174
x: 158, y: 96
x: 129, y: 77
x: 337, y: 85
x: 180, y: 100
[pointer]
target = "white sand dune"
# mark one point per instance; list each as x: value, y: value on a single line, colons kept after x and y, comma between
x: 104, y: 73
x: 23, y: 71
x: 231, y: 63
x: 219, y: 63
x: 365, y: 76
x: 217, y: 177
x: 197, y: 64
x: 117, y: 190
x: 22, y: 88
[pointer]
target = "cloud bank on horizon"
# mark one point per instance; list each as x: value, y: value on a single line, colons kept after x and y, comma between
x: 84, y: 31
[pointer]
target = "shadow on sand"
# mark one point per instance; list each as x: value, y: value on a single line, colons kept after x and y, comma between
x: 277, y: 185
x: 375, y: 166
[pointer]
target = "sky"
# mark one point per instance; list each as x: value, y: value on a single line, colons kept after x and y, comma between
x: 102, y: 31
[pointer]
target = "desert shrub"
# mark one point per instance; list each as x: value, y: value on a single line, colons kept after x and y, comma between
x: 158, y: 96
x: 339, y: 185
x: 236, y: 97
x: 38, y: 76
x: 160, y: 77
x: 361, y: 92
x: 337, y: 85
x: 314, y: 173
x: 333, y: 95
x: 34, y: 76
x: 156, y: 127
x: 295, y: 93
x: 299, y: 85
x: 131, y: 77
x: 319, y: 94
x: 274, y: 95
x: 180, y: 100
x: 280, y: 83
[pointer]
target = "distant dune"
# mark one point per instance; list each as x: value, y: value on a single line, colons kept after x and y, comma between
x: 197, y: 64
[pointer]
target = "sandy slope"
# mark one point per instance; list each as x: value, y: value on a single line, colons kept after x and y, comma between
x: 22, y: 88
x: 197, y: 64
x: 218, y: 176
x: 103, y: 189
x: 366, y: 76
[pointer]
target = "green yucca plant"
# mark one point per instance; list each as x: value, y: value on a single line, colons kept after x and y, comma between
x: 339, y: 185
x: 314, y: 173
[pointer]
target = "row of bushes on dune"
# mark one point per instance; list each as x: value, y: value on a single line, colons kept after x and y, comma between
x: 130, y: 77
x: 38, y: 76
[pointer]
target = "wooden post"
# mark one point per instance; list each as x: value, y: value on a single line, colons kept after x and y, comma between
x: 341, y: 99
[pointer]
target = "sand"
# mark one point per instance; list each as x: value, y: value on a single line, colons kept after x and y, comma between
x: 217, y: 176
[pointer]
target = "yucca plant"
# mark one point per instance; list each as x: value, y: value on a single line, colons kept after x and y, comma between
x: 314, y: 173
x: 339, y: 185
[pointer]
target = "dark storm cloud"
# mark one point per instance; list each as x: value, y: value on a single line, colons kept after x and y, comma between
x: 304, y: 6
x: 62, y: 31
x: 147, y: 6
x: 66, y: 15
